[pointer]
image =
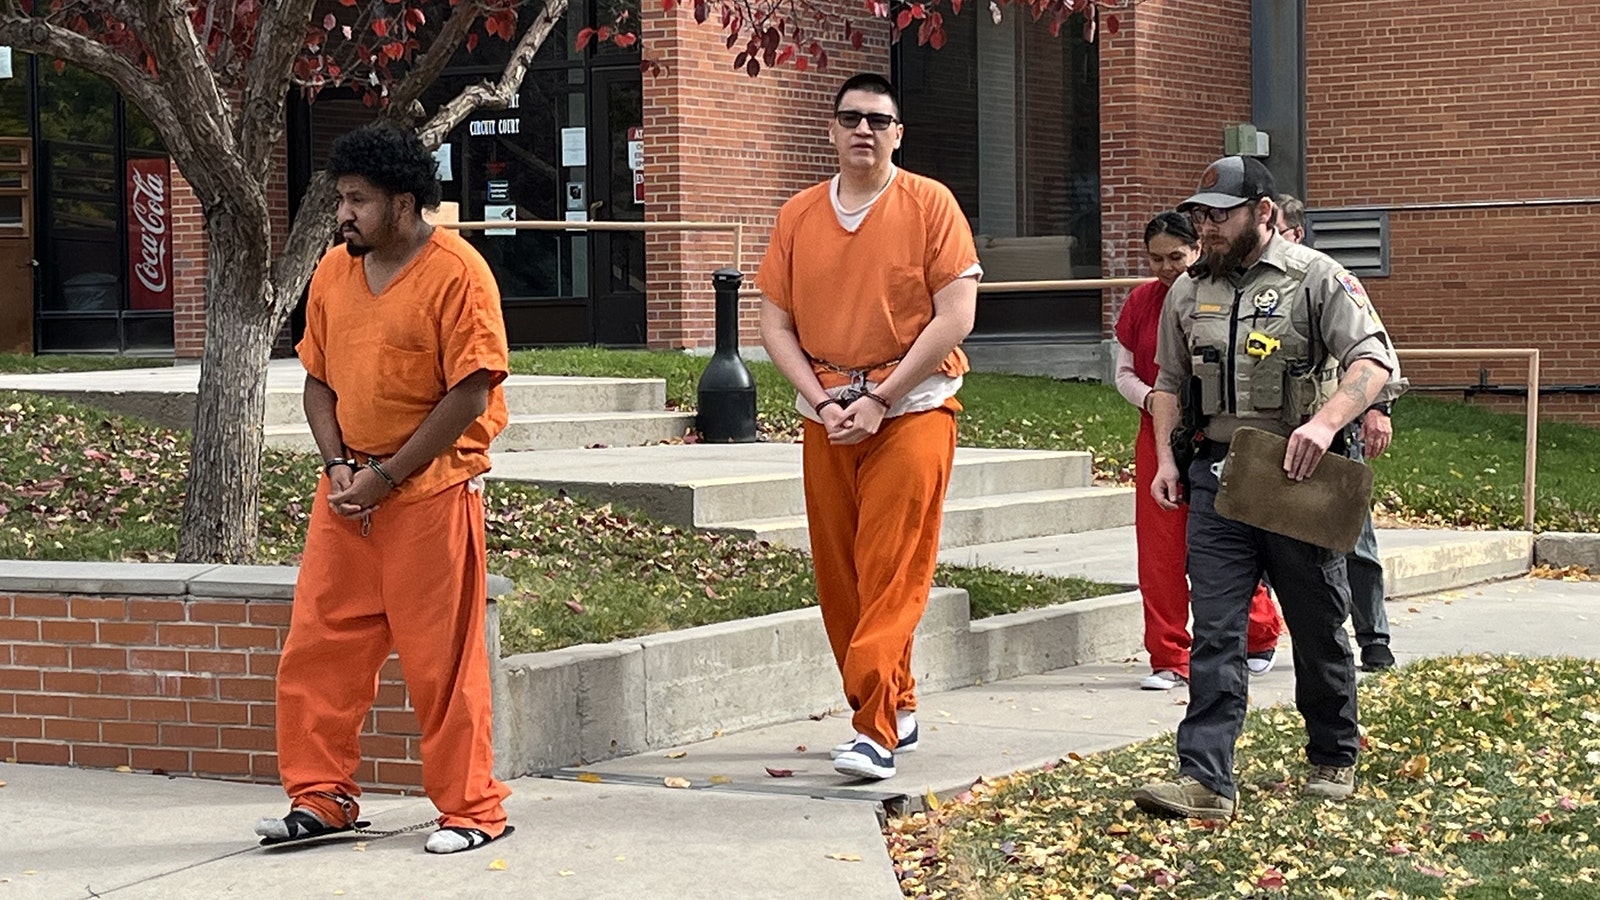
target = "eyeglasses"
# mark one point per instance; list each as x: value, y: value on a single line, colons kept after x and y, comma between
x: 1200, y: 214
x: 851, y: 119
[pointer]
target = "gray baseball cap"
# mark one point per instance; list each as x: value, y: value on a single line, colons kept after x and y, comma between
x: 1230, y: 181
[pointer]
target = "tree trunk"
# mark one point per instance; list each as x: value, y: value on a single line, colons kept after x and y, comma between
x: 222, y: 507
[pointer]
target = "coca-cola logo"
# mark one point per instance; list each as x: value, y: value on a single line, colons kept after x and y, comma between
x: 149, y: 207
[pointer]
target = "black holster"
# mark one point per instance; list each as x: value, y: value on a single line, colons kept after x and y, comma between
x: 1185, y: 439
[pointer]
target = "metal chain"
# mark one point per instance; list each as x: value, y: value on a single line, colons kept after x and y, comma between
x: 378, y: 832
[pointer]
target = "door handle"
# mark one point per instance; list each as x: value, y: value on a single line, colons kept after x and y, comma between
x: 595, y: 207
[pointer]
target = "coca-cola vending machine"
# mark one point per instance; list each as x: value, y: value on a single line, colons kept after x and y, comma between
x: 149, y: 234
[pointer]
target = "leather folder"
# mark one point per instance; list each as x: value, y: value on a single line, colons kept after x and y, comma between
x: 1328, y: 509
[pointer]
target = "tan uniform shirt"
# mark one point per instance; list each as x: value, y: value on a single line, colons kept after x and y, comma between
x: 1318, y: 311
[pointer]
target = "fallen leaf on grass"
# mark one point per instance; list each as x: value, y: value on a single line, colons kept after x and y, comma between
x: 845, y: 857
x: 1415, y: 767
x: 576, y: 607
x: 588, y: 778
x: 675, y: 782
x: 780, y: 773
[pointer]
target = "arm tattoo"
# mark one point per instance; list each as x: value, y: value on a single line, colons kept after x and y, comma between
x: 1356, y: 387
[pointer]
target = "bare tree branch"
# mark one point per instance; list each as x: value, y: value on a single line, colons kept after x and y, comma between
x: 281, y: 34
x: 308, y: 238
x: 181, y: 60
x: 443, y: 47
x: 498, y: 94
x: 35, y: 35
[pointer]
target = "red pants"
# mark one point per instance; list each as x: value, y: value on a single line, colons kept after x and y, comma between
x: 874, y: 511
x: 1163, y: 579
x: 416, y: 582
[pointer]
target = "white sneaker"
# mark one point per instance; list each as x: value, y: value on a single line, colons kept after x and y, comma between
x: 908, y: 740
x: 865, y: 760
x: 1261, y: 663
x: 1163, y: 680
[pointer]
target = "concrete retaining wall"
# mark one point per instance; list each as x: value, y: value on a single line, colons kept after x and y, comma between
x: 1568, y: 548
x: 214, y: 634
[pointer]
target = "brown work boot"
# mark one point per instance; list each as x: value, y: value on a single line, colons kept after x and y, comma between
x: 1331, y: 782
x: 1183, y: 797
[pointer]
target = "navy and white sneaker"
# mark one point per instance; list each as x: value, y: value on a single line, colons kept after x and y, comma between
x: 865, y: 760
x: 908, y: 743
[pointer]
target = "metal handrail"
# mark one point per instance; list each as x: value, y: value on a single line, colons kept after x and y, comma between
x: 736, y: 228
x: 1531, y: 453
x: 1070, y: 284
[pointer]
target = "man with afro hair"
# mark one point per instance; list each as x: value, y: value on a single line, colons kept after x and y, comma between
x: 404, y: 352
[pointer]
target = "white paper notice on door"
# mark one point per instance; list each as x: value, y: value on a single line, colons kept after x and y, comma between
x: 574, y: 147
x: 498, y: 213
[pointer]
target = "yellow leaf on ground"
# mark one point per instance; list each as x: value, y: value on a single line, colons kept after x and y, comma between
x: 932, y: 799
x: 677, y: 754
x: 497, y: 865
x: 566, y: 873
x: 845, y: 857
x: 721, y: 779
x: 675, y: 782
x: 124, y: 769
x: 588, y: 778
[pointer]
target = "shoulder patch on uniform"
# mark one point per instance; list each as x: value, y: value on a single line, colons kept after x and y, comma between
x: 1352, y: 286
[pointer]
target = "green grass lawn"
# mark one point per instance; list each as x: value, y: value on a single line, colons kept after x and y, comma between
x: 79, y: 483
x: 1451, y: 464
x: 27, y: 363
x: 1478, y: 779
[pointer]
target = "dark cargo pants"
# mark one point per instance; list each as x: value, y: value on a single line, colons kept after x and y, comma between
x: 1226, y: 560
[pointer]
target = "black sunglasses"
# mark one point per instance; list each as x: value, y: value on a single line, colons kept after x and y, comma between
x: 849, y: 118
x: 1217, y: 215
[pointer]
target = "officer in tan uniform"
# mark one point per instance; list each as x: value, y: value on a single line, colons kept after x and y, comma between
x: 1272, y: 335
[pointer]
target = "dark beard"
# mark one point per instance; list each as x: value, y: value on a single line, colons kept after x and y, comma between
x: 1231, y: 261
x: 357, y: 249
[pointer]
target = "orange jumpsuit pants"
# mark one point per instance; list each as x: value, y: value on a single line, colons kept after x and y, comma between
x: 874, y: 511
x: 415, y: 582
x: 1163, y: 572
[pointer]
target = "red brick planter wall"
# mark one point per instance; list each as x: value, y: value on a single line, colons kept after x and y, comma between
x: 179, y: 684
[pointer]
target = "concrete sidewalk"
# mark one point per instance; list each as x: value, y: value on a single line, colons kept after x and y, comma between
x: 84, y: 834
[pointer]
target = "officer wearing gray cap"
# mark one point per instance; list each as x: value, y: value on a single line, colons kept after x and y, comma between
x: 1273, y: 335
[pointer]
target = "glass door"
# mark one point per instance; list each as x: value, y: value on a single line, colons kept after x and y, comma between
x: 616, y: 194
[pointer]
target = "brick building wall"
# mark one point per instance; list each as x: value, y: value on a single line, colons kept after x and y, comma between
x: 722, y: 146
x: 180, y: 684
x: 1437, y: 104
x: 1171, y: 79
x: 189, y: 255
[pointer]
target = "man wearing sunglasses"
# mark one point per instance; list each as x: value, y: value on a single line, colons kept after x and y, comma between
x: 870, y: 284
x: 1275, y: 336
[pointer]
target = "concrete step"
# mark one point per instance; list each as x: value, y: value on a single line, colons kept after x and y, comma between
x: 1415, y: 560
x: 708, y: 485
x: 544, y: 432
x: 983, y: 520
x: 166, y: 396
